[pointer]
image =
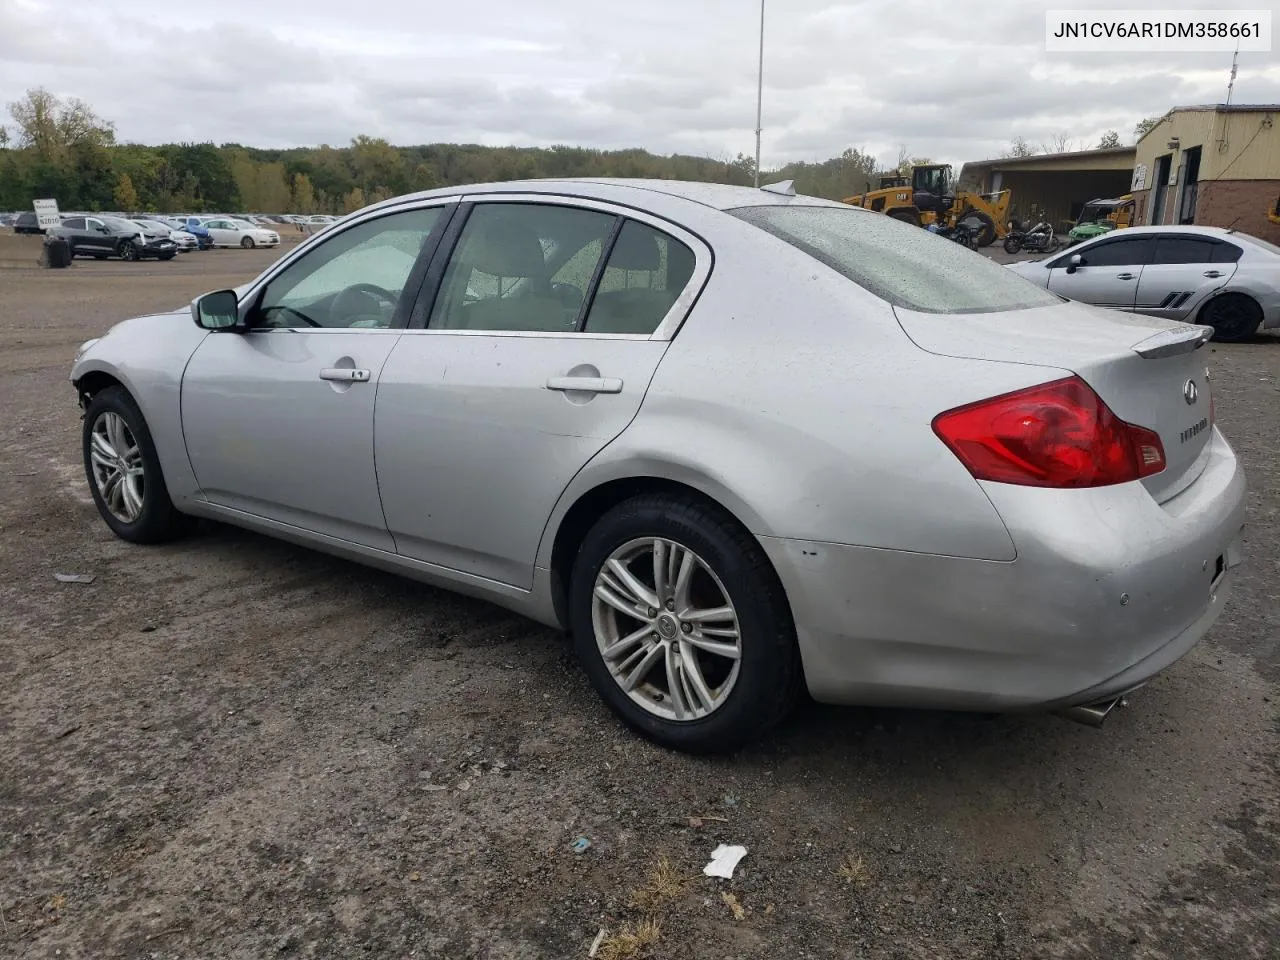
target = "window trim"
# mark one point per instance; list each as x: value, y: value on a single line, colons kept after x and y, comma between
x: 1148, y: 238
x: 1196, y: 237
x: 417, y: 273
x: 668, y: 326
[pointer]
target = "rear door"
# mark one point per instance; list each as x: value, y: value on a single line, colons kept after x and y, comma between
x: 1182, y: 274
x: 73, y: 229
x: 224, y: 234
x: 548, y: 319
x: 1108, y: 273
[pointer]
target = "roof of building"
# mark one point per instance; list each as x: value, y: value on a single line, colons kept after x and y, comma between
x: 1042, y: 157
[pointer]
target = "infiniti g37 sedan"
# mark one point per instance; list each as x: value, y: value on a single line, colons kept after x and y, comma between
x: 1226, y: 280
x: 737, y: 442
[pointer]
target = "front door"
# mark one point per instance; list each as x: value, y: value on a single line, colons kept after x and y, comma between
x: 1108, y: 273
x: 279, y: 420
x: 534, y: 356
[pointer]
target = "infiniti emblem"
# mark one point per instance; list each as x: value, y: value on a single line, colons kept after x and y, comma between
x: 1190, y: 392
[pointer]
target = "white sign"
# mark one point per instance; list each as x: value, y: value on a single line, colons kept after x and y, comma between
x: 47, y: 214
x: 1139, y: 177
x: 1157, y: 31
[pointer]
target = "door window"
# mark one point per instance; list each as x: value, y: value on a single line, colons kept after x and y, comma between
x: 1117, y: 253
x: 1183, y: 250
x: 645, y: 273
x: 356, y: 278
x: 1225, y: 252
x: 521, y: 266
x: 74, y: 223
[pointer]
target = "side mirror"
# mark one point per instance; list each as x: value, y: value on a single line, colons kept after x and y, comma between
x: 217, y: 311
x: 1075, y: 263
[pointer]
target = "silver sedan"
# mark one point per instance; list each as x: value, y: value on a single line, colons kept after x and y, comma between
x: 1226, y: 280
x: 737, y: 442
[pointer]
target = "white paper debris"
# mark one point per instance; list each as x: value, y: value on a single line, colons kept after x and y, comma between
x: 74, y: 577
x: 723, y: 861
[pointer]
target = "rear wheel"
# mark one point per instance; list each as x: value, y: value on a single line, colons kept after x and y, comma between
x: 247, y: 243
x: 682, y: 626
x: 123, y: 469
x: 1233, y: 316
x: 986, y: 232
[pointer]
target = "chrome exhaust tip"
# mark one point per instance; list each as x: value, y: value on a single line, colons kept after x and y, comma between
x: 1092, y: 714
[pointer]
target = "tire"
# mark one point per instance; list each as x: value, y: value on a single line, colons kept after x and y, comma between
x: 1234, y: 317
x: 987, y: 232
x: 142, y: 512
x: 247, y: 243
x: 749, y: 694
x: 1012, y: 244
x: 127, y: 250
x: 166, y: 256
x: 906, y: 216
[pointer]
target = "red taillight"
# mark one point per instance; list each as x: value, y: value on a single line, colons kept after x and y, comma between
x: 1057, y: 434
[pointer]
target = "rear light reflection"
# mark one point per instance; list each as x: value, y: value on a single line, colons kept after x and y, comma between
x: 1058, y: 434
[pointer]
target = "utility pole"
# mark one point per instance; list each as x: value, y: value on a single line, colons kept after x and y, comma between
x: 1232, y: 82
x: 760, y: 93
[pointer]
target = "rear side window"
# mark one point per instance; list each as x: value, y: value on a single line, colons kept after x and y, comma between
x: 901, y: 264
x: 1183, y: 250
x: 645, y: 273
x: 74, y: 223
x: 1225, y: 253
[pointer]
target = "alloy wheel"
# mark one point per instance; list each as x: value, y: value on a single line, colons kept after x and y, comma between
x: 666, y: 629
x: 118, y: 470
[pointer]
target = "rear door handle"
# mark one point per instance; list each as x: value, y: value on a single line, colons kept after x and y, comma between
x: 1124, y: 276
x: 1213, y: 274
x: 585, y: 384
x: 345, y: 375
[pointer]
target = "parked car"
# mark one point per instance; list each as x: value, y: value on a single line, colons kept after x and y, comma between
x: 734, y: 440
x: 228, y: 232
x: 103, y: 237
x: 193, y: 227
x: 1226, y: 280
x: 26, y: 222
x: 184, y: 241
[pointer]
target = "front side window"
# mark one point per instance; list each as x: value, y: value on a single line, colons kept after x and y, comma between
x: 901, y: 264
x: 645, y: 273
x: 521, y: 267
x: 356, y: 278
x: 1117, y: 253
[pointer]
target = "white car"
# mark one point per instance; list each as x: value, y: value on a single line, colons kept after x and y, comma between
x: 1207, y: 275
x: 185, y: 241
x: 228, y: 232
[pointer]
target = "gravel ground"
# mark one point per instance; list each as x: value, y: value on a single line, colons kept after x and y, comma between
x: 230, y: 747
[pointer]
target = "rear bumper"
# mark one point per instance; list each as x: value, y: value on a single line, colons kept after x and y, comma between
x: 1108, y: 589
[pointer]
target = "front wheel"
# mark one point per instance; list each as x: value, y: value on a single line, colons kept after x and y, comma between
x: 247, y: 243
x: 123, y: 470
x: 127, y: 250
x: 1234, y: 317
x: 165, y: 256
x: 1012, y: 244
x: 682, y: 626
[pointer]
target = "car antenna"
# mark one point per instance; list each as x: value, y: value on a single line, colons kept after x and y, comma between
x: 785, y: 187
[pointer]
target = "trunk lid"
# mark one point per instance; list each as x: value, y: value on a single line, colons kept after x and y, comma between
x: 1150, y: 371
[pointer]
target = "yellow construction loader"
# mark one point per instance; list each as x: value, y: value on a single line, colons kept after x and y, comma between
x: 929, y: 196
x: 1274, y: 213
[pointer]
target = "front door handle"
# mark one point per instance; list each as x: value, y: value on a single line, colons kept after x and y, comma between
x: 345, y: 375
x: 1124, y: 276
x: 585, y: 384
x: 1213, y: 274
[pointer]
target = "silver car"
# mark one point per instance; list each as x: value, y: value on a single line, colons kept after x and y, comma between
x: 1226, y: 280
x: 738, y: 442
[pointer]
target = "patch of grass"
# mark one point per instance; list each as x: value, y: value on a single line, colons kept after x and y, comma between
x: 854, y: 870
x: 662, y: 886
x: 630, y: 941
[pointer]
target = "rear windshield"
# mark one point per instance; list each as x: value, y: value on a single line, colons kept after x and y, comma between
x: 905, y: 265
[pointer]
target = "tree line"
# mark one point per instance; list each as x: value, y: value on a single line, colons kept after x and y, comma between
x: 61, y: 148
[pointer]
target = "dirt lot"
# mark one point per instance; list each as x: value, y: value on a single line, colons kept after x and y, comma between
x: 234, y: 748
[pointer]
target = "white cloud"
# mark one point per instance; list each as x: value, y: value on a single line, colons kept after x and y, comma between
x: 954, y: 81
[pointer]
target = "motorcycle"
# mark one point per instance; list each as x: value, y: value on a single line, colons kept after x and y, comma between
x: 1038, y: 239
x: 962, y: 233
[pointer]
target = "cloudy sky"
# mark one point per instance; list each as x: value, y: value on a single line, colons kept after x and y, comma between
x: 666, y: 75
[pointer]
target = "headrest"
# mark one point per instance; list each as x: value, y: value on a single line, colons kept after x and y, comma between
x: 504, y: 248
x: 635, y: 249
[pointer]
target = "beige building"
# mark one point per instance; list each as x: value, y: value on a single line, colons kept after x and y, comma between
x: 1053, y: 186
x: 1214, y: 165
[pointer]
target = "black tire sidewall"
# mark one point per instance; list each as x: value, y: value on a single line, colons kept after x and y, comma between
x: 767, y: 670
x: 156, y: 521
x: 1236, y: 335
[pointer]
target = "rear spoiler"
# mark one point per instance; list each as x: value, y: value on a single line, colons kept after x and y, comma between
x: 1171, y: 343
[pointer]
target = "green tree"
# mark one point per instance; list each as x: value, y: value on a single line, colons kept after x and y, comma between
x: 1019, y: 147
x: 354, y: 200
x: 304, y: 197
x: 1144, y: 126
x: 1110, y: 140
x: 125, y: 196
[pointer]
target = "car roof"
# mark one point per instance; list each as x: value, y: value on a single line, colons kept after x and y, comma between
x: 1187, y: 229
x: 719, y: 196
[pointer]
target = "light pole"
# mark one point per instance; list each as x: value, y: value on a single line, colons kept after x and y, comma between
x: 759, y: 93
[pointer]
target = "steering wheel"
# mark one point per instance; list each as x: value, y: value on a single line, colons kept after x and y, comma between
x: 353, y: 302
